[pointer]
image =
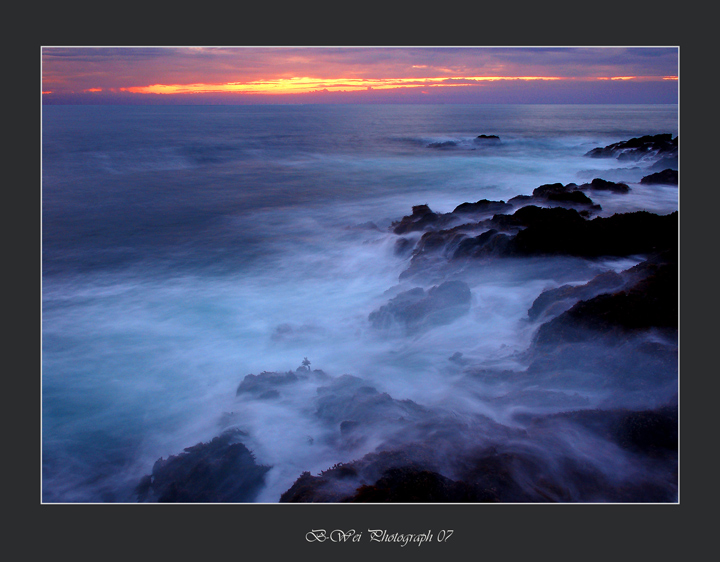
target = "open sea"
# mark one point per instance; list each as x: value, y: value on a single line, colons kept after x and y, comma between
x: 184, y: 247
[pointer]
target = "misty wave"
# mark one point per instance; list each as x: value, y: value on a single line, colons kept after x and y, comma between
x: 278, y: 248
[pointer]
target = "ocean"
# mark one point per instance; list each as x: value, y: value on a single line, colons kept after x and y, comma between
x: 185, y: 247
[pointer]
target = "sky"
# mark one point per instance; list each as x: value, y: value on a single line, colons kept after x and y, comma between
x: 247, y: 75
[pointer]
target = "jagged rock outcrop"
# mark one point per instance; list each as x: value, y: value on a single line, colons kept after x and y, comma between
x: 417, y: 309
x: 667, y: 177
x: 222, y: 470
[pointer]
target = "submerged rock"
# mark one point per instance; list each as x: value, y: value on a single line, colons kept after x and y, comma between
x: 418, y: 309
x: 556, y: 301
x: 482, y: 206
x: 442, y: 144
x: 562, y: 231
x: 459, y: 466
x: 222, y: 470
x: 667, y: 177
x: 265, y: 382
x: 662, y: 145
x: 599, y: 184
x: 420, y: 218
x: 651, y: 302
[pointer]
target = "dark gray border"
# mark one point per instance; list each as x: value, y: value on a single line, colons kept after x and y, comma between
x: 486, y: 532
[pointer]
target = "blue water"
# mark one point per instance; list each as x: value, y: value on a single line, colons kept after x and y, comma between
x: 185, y: 247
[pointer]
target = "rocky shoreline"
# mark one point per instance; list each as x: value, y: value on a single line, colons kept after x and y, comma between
x: 622, y: 325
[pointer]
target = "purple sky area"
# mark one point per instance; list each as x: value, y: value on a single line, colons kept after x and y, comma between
x: 242, y: 75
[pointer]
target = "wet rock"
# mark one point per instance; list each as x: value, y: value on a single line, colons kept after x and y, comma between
x: 487, y: 138
x: 482, y: 206
x: 352, y: 405
x: 489, y: 243
x: 564, y: 231
x: 666, y: 162
x: 651, y: 432
x: 418, y: 309
x: 662, y: 145
x: 421, y: 218
x: 556, y: 194
x: 403, y: 247
x: 295, y: 332
x: 265, y: 382
x: 413, y: 485
x: 666, y: 177
x: 556, y: 301
x: 599, y: 184
x: 222, y: 470
x: 442, y: 144
x: 649, y: 303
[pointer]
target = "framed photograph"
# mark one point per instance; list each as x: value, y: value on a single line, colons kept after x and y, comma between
x: 358, y: 274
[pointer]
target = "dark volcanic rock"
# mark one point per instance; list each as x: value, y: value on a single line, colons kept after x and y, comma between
x: 443, y: 144
x: 557, y: 192
x: 652, y: 432
x: 483, y: 206
x: 649, y: 303
x: 563, y: 231
x: 599, y: 184
x: 223, y: 470
x: 665, y: 163
x: 499, y: 472
x: 667, y: 177
x: 412, y: 485
x: 488, y: 243
x: 416, y: 309
x: 265, y: 382
x: 421, y: 218
x: 403, y: 246
x: 636, y: 148
x: 555, y: 301
x: 649, y: 432
x: 350, y: 402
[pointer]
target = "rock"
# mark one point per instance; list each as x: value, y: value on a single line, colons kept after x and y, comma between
x: 649, y: 303
x: 666, y: 162
x: 265, y: 382
x: 651, y: 432
x: 563, y: 231
x: 421, y: 217
x: 403, y: 246
x: 556, y: 301
x: 488, y: 137
x: 222, y: 470
x: 599, y: 184
x: 558, y: 192
x: 352, y: 405
x: 295, y: 332
x: 482, y: 206
x: 443, y: 144
x: 662, y: 145
x: 648, y: 432
x: 489, y: 243
x: 667, y: 177
x: 417, y: 309
x: 413, y: 485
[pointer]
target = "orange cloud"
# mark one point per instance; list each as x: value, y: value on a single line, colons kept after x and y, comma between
x: 305, y: 84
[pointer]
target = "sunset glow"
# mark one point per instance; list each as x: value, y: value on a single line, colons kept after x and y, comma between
x: 357, y: 75
x: 305, y: 84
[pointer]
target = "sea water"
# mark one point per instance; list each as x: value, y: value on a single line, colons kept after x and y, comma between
x: 184, y: 247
